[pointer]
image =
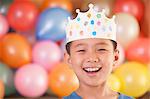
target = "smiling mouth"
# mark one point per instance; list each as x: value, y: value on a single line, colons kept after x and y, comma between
x: 92, y: 69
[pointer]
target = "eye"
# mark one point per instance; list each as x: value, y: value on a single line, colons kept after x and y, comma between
x: 102, y: 49
x: 80, y: 50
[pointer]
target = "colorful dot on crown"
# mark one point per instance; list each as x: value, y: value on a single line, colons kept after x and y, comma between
x: 98, y: 15
x: 81, y: 32
x: 70, y: 33
x: 89, y: 15
x: 98, y: 23
x: 92, y: 22
x: 85, y: 23
x: 78, y: 19
x: 94, y: 33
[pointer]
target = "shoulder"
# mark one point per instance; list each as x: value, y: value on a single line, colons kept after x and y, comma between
x: 72, y: 96
x: 121, y: 96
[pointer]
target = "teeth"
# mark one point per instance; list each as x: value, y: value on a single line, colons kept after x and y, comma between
x: 91, y: 69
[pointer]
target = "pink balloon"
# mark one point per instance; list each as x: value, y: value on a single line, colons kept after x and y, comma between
x: 31, y: 80
x: 46, y: 53
x: 121, y: 54
x: 3, y: 25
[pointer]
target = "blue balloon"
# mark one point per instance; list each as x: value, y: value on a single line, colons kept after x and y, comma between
x: 51, y: 24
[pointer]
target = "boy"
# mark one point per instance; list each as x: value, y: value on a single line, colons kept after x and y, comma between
x: 91, y: 52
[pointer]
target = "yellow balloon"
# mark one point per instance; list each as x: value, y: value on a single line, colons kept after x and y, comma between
x: 134, y: 78
x: 114, y: 83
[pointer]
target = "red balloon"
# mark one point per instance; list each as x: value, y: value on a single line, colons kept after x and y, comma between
x: 139, y: 50
x: 134, y: 7
x: 22, y: 15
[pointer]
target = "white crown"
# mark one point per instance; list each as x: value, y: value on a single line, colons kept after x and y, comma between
x: 91, y: 24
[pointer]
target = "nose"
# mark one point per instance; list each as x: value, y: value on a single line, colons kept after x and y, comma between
x: 92, y: 57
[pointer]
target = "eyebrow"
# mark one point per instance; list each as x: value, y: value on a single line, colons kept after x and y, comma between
x: 102, y: 43
x: 81, y: 44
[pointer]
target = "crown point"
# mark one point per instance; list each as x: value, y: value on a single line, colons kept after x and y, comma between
x: 113, y: 17
x: 103, y: 11
x: 91, y: 5
x: 77, y: 10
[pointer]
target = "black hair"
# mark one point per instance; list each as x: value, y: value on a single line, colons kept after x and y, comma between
x: 69, y: 44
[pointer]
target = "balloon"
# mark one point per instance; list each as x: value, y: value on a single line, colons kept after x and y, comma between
x: 7, y: 76
x: 139, y: 50
x: 16, y: 51
x: 3, y: 26
x: 65, y: 4
x: 51, y: 24
x: 133, y: 7
x: 31, y: 80
x: 114, y: 82
x: 99, y: 5
x: 30, y: 36
x: 22, y: 16
x: 37, y: 2
x: 134, y: 78
x: 0, y: 51
x: 6, y: 1
x: 46, y: 53
x: 62, y: 80
x: 121, y: 54
x: 4, y: 8
x: 2, y: 87
x: 126, y: 33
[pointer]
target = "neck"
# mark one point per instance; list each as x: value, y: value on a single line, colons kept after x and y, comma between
x: 93, y: 92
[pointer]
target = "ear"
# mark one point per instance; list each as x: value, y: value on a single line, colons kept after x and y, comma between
x: 116, y: 58
x: 67, y: 58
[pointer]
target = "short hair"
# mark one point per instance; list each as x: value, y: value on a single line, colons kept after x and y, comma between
x: 69, y: 44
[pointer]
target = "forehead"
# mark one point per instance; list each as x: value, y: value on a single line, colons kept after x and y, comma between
x: 91, y: 42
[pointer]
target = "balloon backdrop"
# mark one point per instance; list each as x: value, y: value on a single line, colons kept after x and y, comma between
x: 134, y: 78
x: 65, y: 4
x: 126, y: 33
x: 4, y: 6
x: 114, y: 82
x: 0, y: 51
x: 62, y: 80
x: 16, y: 51
x: 31, y: 80
x: 3, y: 25
x: 133, y: 7
x: 46, y: 53
x: 2, y: 89
x: 51, y: 24
x: 7, y: 76
x: 22, y: 16
x: 139, y: 50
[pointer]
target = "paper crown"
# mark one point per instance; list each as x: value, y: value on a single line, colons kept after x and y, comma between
x: 91, y: 24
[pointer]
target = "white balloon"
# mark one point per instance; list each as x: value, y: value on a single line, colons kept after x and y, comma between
x: 127, y: 28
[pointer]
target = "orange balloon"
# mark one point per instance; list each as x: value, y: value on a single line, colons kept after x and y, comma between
x: 62, y: 80
x: 1, y: 89
x: 16, y: 51
x: 65, y: 4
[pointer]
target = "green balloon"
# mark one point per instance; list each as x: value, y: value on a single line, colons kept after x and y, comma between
x: 7, y: 76
x: 6, y: 1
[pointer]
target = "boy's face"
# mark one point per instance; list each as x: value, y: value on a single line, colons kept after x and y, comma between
x: 92, y: 60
